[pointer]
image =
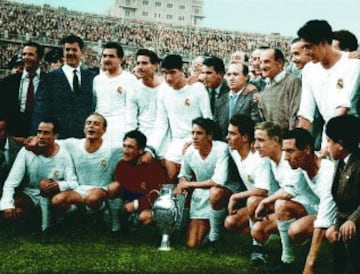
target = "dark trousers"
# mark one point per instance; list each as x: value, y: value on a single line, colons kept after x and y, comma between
x: 347, y: 256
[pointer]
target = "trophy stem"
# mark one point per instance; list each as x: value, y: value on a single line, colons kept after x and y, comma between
x: 165, y: 243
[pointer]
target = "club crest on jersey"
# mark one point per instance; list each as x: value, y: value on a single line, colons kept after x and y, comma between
x: 187, y: 102
x: 56, y: 174
x: 120, y: 89
x: 340, y: 84
x: 103, y: 164
x: 250, y: 179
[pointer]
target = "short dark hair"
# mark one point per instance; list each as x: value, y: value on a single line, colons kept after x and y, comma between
x: 344, y: 129
x: 115, y: 45
x: 154, y: 59
x: 316, y: 31
x: 302, y: 138
x: 244, y: 124
x: 51, y: 120
x: 172, y: 61
x: 215, y: 62
x: 39, y: 48
x: 347, y: 40
x: 73, y: 39
x: 54, y: 55
x: 138, y: 136
x: 206, y: 123
x: 295, y: 40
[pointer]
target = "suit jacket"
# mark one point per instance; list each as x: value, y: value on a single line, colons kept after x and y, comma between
x: 346, y: 191
x: 18, y: 123
x: 244, y: 105
x: 55, y: 98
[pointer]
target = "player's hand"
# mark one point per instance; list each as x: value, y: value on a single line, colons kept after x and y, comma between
x: 129, y: 207
x: 261, y: 211
x: 146, y: 158
x: 347, y: 230
x: 50, y: 188
x: 185, y: 147
x: 249, y: 88
x: 256, y: 97
x: 231, y: 206
x: 31, y: 144
x: 354, y: 55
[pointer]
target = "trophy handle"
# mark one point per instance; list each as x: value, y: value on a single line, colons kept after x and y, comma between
x: 149, y: 194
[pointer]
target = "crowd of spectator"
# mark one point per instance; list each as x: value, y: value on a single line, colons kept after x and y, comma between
x: 47, y: 25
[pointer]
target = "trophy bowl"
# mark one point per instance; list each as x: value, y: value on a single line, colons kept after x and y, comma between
x: 165, y: 214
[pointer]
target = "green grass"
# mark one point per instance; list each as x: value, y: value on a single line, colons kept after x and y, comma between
x: 90, y: 248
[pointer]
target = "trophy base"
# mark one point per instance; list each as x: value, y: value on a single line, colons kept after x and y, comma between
x: 165, y: 243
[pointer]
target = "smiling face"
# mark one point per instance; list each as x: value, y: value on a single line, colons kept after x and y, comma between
x: 269, y: 66
x: 72, y: 54
x: 94, y: 127
x: 299, y: 54
x: 254, y: 62
x: 31, y: 59
x: 144, y: 68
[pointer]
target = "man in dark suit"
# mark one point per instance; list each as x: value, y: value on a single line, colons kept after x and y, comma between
x: 66, y: 93
x: 212, y: 76
x: 343, y: 145
x: 238, y: 101
x: 17, y: 92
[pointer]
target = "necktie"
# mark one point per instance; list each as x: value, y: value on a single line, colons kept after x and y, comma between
x: 76, y: 86
x: 339, y: 170
x: 212, y: 100
x: 29, y: 104
x: 231, y: 105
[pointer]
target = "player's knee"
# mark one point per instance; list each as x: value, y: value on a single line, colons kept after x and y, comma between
x: 229, y: 222
x: 114, y: 190
x: 57, y: 201
x: 145, y: 217
x: 93, y: 201
x: 331, y: 235
x: 258, y: 233
x: 281, y: 210
x: 294, y: 231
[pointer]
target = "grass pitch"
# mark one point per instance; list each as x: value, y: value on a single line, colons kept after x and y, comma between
x: 87, y: 247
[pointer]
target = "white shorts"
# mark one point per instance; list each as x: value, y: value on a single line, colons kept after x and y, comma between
x: 33, y: 194
x: 200, y: 204
x: 83, y: 190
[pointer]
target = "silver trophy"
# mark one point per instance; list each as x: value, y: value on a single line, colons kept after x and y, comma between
x: 167, y: 213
